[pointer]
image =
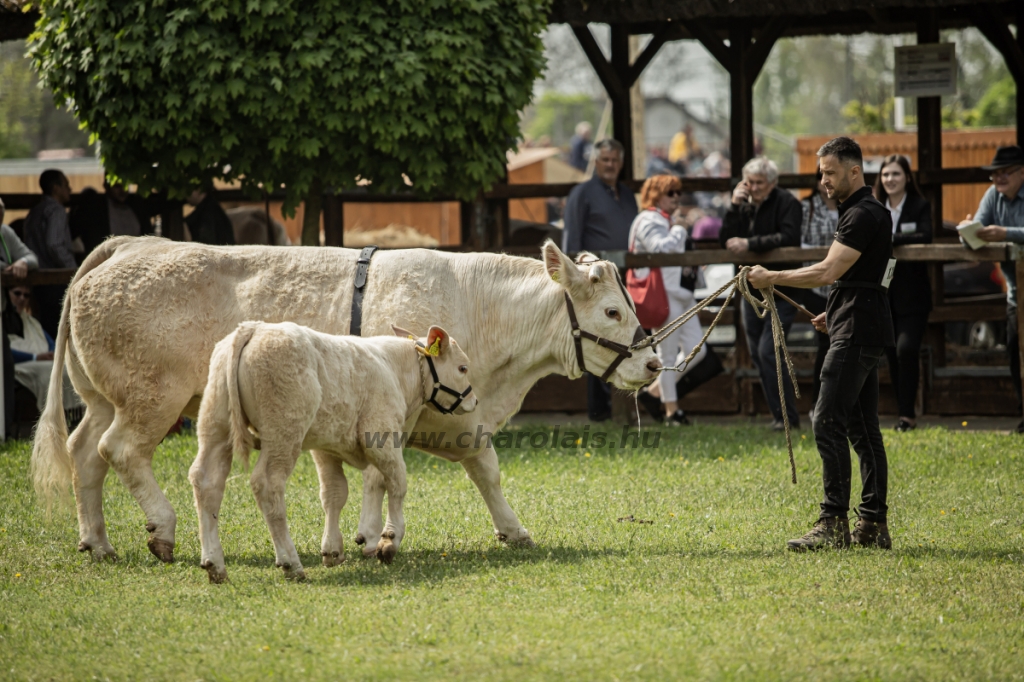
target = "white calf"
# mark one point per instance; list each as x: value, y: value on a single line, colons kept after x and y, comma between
x: 344, y: 397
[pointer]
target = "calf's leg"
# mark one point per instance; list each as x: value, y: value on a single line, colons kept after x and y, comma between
x: 268, y: 481
x: 333, y: 495
x: 371, y: 521
x: 209, y: 474
x: 391, y: 465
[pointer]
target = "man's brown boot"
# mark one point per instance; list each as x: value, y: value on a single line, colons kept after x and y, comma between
x: 870, y: 534
x: 826, y: 533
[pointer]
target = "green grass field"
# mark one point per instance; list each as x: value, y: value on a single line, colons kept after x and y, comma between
x: 705, y: 591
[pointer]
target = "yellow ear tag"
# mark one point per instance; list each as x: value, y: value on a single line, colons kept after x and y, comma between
x: 435, y: 348
x: 554, y: 276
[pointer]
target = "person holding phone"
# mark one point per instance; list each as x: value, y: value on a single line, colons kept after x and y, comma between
x: 910, y: 292
x: 761, y: 218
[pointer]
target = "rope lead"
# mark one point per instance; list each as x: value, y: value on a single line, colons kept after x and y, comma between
x: 761, y: 308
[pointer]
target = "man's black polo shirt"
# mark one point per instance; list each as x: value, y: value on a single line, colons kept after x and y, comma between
x: 860, y: 315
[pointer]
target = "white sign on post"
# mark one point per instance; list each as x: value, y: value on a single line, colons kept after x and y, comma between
x: 926, y: 70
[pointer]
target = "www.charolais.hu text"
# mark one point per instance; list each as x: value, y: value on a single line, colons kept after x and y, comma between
x: 536, y: 440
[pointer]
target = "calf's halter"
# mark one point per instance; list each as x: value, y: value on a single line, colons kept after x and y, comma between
x: 438, y: 386
x: 579, y: 335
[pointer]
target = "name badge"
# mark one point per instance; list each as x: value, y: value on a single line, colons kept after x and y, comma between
x: 889, y: 270
x: 908, y: 227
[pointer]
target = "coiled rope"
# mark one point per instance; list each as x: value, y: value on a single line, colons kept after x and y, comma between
x: 761, y: 308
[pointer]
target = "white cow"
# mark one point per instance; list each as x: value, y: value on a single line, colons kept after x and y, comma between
x: 344, y: 397
x: 142, y: 316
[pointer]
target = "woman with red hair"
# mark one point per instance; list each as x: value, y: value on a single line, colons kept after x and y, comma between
x: 653, y: 232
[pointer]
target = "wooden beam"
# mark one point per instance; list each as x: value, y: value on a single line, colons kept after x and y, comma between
x: 741, y: 98
x: 334, y: 220
x: 929, y: 123
x: 796, y: 255
x: 622, y: 110
x: 711, y: 42
x: 609, y: 79
x: 762, y: 47
x: 986, y: 17
x: 657, y: 40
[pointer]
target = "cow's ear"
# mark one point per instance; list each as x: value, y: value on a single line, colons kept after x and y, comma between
x: 437, y: 341
x: 559, y: 266
x: 404, y: 333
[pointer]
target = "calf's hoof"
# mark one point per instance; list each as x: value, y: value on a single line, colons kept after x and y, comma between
x: 162, y: 550
x: 333, y: 559
x: 386, y: 551
x: 217, y: 575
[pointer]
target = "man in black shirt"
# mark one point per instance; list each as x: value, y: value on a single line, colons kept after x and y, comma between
x: 859, y: 326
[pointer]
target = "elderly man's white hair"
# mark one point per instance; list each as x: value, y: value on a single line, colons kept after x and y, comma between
x: 762, y: 165
x: 583, y: 128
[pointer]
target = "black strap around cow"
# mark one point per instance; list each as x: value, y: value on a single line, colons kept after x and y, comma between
x: 438, y: 386
x: 355, y: 327
x: 578, y: 335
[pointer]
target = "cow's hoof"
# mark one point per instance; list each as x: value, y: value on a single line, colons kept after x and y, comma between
x: 217, y: 575
x: 333, y: 559
x: 386, y: 551
x: 99, y: 553
x: 360, y: 539
x: 524, y: 541
x: 162, y: 550
x: 296, y: 575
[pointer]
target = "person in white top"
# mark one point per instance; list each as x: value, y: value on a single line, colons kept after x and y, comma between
x: 652, y: 232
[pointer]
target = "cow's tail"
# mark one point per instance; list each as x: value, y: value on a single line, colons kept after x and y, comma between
x: 51, y: 463
x: 241, y: 437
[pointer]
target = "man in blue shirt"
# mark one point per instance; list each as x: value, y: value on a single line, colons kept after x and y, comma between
x: 1001, y: 211
x: 598, y: 215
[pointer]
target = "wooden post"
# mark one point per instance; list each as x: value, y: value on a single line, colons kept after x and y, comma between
x: 1018, y: 259
x: 334, y: 220
x: 929, y: 123
x: 622, y: 111
x: 741, y: 98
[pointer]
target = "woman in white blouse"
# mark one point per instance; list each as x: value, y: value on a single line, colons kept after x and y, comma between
x: 652, y: 232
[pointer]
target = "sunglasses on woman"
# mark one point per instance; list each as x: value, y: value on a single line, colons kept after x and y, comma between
x: 673, y: 193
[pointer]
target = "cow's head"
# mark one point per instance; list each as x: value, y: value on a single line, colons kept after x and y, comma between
x: 446, y: 375
x: 604, y: 309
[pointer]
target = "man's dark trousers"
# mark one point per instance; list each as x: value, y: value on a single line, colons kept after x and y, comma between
x: 848, y: 408
x: 599, y: 399
x: 762, y: 352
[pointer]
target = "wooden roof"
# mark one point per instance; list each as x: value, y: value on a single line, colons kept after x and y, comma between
x: 807, y: 17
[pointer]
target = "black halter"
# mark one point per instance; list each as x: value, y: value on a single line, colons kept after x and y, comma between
x: 578, y: 335
x: 438, y: 386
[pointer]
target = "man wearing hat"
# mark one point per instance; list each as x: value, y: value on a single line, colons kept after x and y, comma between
x: 1001, y: 211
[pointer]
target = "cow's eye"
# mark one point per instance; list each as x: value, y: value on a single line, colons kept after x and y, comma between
x: 613, y: 313
x: 463, y: 369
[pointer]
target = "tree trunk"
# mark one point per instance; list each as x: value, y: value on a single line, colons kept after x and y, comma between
x: 311, y: 215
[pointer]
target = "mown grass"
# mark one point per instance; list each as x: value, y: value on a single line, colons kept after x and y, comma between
x: 705, y: 591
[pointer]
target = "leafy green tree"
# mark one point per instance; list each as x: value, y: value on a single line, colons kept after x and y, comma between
x: 556, y: 114
x: 998, y: 106
x: 300, y: 95
x: 863, y: 117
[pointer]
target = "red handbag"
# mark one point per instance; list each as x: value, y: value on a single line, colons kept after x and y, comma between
x: 649, y: 296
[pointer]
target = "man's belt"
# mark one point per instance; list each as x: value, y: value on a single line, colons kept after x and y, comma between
x: 847, y: 284
x: 362, y: 268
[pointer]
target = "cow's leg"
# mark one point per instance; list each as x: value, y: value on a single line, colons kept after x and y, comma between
x: 371, y: 521
x: 209, y: 474
x: 333, y: 495
x: 89, y: 472
x: 483, y: 470
x: 391, y: 465
x: 128, y: 446
x: 269, y: 479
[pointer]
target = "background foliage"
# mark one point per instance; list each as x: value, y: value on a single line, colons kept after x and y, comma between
x: 284, y: 93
